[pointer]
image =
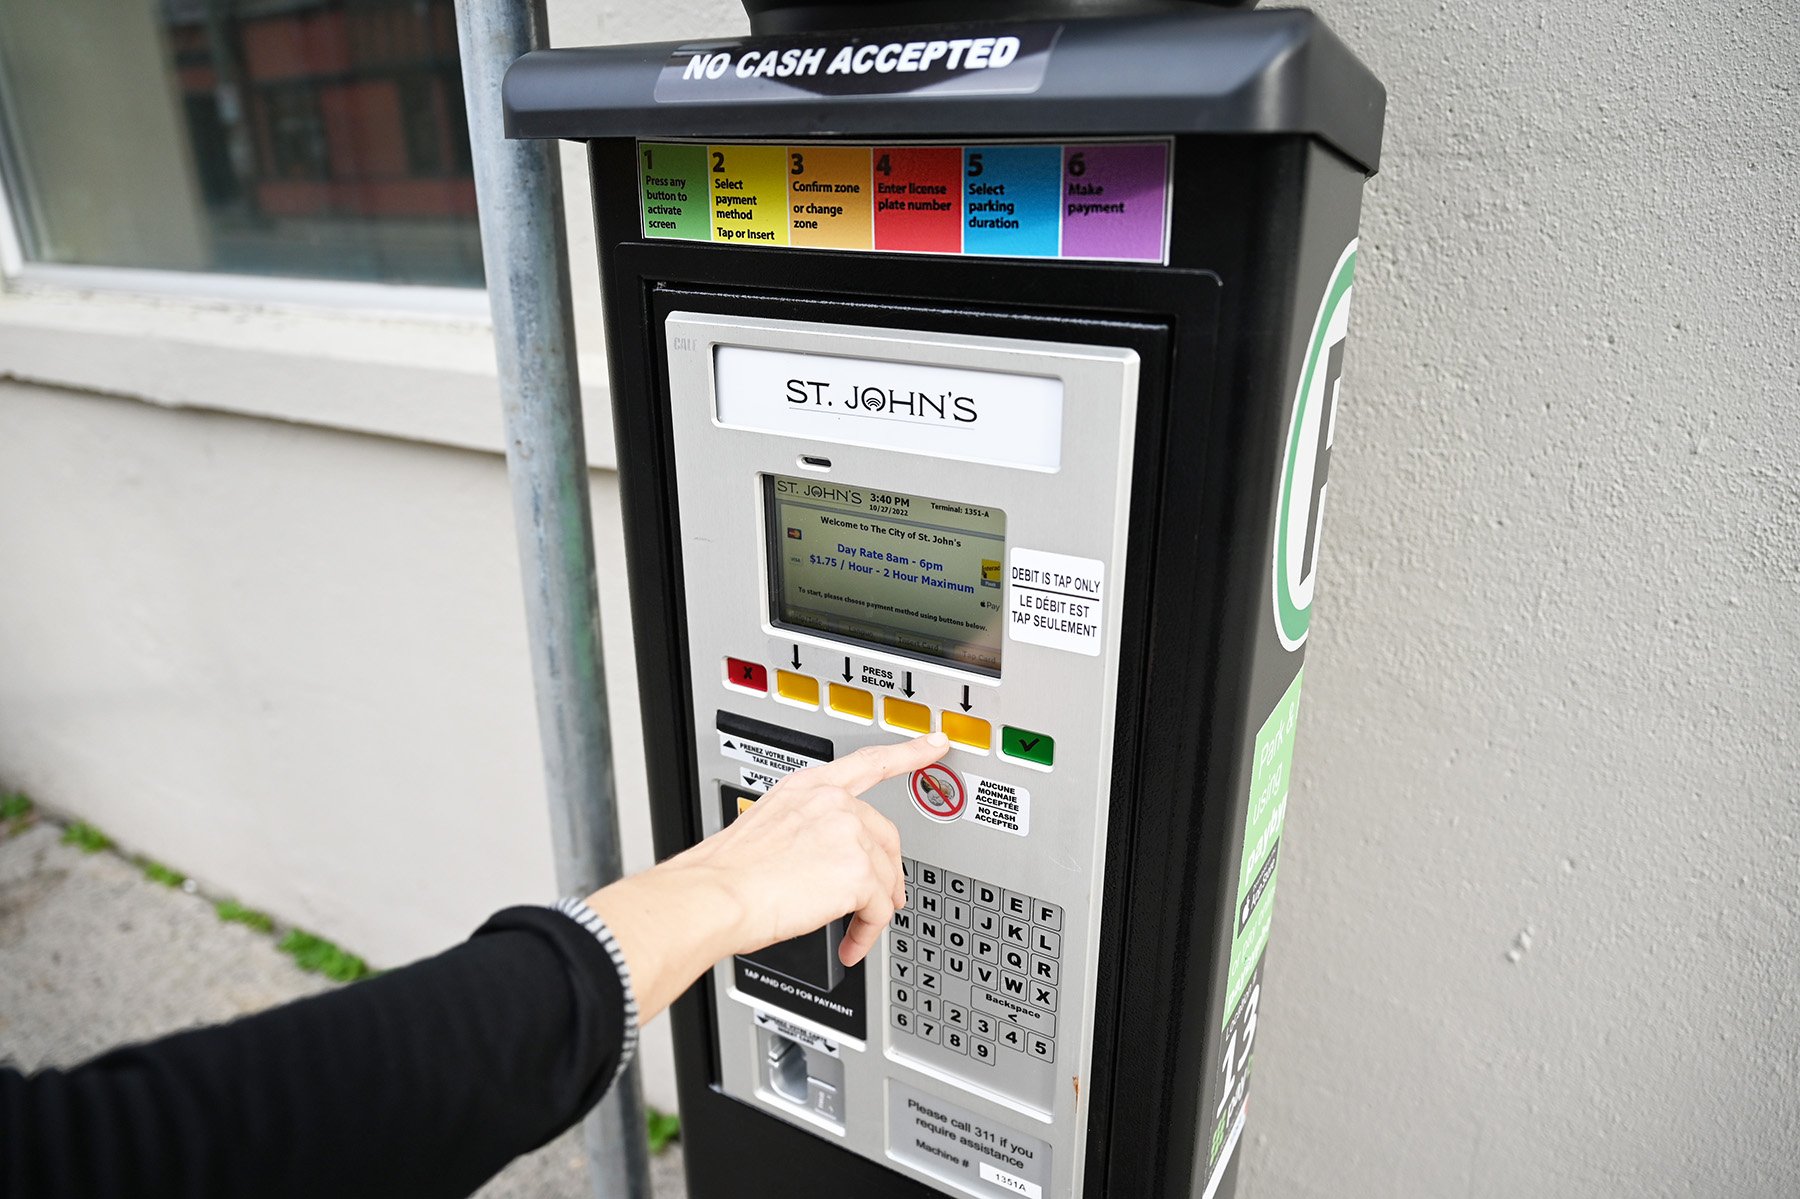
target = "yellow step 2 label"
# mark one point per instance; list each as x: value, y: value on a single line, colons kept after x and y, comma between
x: 749, y: 194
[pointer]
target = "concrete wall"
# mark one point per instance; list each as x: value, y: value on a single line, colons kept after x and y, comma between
x: 1540, y: 900
x: 1536, y: 929
x: 289, y: 660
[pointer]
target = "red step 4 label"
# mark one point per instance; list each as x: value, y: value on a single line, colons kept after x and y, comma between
x: 919, y: 198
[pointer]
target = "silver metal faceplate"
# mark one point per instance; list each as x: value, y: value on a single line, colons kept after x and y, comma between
x: 1079, y: 510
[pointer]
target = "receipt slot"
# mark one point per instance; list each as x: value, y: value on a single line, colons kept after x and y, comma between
x: 980, y: 377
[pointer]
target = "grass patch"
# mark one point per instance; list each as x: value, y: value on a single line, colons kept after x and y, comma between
x: 86, y: 837
x: 16, y: 813
x: 156, y: 872
x: 662, y: 1128
x: 233, y: 912
x: 319, y: 956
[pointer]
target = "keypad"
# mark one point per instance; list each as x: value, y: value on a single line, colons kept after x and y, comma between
x: 974, y: 968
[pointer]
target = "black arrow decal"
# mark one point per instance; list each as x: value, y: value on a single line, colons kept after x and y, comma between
x: 796, y: 657
x: 846, y: 670
x: 966, y: 705
x: 908, y: 690
x: 729, y: 745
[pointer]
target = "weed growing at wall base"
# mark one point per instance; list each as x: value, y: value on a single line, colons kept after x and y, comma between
x: 233, y: 912
x: 86, y: 837
x: 16, y: 813
x: 661, y: 1128
x: 156, y: 872
x: 316, y: 954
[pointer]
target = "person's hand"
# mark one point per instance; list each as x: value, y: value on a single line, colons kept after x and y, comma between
x: 811, y: 851
x: 805, y: 854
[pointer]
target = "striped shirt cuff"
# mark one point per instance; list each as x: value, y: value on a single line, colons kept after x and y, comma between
x: 589, y: 919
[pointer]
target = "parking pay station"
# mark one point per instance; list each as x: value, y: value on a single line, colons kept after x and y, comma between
x: 980, y: 375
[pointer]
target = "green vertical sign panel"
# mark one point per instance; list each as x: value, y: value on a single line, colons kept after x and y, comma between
x: 1270, y: 773
x: 674, y: 191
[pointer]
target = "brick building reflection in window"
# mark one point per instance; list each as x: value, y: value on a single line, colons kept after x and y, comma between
x: 330, y: 127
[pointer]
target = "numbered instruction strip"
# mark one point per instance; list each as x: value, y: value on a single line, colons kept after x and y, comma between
x: 1107, y: 202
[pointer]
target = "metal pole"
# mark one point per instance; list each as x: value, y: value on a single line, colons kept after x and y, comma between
x: 523, y: 245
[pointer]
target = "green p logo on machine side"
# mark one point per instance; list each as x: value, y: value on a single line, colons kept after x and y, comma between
x: 1303, y: 474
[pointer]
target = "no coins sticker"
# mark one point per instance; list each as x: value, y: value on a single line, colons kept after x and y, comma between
x: 938, y: 792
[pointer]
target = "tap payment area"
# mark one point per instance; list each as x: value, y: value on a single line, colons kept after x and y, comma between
x: 981, y: 388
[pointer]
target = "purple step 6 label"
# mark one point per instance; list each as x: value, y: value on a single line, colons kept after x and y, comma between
x: 1115, y: 201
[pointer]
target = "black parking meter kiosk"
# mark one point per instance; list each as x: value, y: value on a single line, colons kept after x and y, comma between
x: 980, y: 375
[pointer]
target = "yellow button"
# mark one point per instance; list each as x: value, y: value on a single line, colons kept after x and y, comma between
x: 745, y: 803
x: 969, y: 731
x: 905, y: 715
x: 853, y: 702
x: 797, y: 688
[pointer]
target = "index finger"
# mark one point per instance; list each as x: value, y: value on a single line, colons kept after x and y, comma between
x: 871, y: 764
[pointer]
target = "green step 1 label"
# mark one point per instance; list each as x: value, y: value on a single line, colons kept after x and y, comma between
x: 675, y: 192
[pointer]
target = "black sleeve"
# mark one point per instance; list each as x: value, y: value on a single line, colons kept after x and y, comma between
x: 423, y: 1081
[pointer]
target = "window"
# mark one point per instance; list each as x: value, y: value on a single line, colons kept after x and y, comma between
x: 303, y: 138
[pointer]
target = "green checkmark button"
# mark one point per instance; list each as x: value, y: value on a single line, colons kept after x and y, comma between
x: 1027, y: 746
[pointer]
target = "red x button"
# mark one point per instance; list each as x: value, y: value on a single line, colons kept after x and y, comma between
x: 747, y: 676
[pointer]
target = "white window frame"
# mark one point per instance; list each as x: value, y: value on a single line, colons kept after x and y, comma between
x: 396, y: 360
x: 399, y: 299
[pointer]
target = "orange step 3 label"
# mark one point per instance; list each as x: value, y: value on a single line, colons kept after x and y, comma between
x: 829, y: 205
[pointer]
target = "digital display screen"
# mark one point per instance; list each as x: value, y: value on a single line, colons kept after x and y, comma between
x: 919, y: 576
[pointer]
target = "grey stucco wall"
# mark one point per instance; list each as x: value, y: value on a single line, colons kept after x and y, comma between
x: 1539, y: 923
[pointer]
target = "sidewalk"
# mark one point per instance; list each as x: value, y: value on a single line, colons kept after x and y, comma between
x: 94, y: 954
